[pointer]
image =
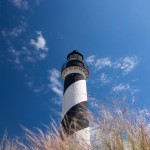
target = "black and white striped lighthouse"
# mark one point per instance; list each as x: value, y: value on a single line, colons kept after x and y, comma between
x: 75, y: 122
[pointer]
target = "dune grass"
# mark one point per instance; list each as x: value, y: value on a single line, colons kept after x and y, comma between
x: 113, y: 129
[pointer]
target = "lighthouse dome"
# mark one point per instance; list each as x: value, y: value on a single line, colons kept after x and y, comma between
x: 75, y: 55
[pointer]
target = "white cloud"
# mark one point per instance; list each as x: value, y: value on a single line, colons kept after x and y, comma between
x: 121, y: 87
x: 55, y: 84
x: 16, y: 54
x: 43, y: 55
x: 104, y: 78
x: 36, y: 87
x: 56, y: 100
x: 21, y: 4
x: 103, y: 62
x: 54, y: 75
x: 126, y: 64
x: 57, y: 91
x: 16, y: 57
x: 124, y: 88
x: 30, y: 59
x: 16, y: 31
x: 24, y: 54
x: 39, y: 53
x: 90, y: 60
x: 40, y: 43
x: 39, y: 89
x: 120, y: 66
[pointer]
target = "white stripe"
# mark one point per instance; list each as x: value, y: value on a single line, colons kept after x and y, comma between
x: 75, y: 93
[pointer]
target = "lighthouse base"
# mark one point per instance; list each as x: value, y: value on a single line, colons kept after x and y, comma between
x: 79, y: 140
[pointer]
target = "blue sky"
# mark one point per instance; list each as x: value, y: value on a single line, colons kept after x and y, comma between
x: 36, y: 36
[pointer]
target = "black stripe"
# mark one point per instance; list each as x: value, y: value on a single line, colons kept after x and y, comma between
x: 76, y: 118
x: 75, y: 63
x: 71, y: 78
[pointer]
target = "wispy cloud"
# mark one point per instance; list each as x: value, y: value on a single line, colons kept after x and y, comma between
x: 104, y: 78
x: 39, y: 89
x: 56, y: 100
x: 111, y: 70
x: 55, y: 84
x: 40, y: 43
x: 124, y: 88
x: 20, y: 4
x: 125, y: 64
x: 35, y: 86
x: 103, y: 62
x: 121, y: 87
x: 25, y: 54
x: 15, y: 56
x: 90, y: 60
x: 16, y: 31
x: 57, y: 90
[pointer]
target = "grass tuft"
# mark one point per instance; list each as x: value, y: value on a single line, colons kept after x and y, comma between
x: 112, y: 129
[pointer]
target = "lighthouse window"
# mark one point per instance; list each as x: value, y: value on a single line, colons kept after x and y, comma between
x: 75, y: 57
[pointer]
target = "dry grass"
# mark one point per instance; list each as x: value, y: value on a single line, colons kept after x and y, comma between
x: 113, y: 129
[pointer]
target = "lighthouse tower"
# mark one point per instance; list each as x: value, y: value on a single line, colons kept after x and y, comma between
x: 75, y: 122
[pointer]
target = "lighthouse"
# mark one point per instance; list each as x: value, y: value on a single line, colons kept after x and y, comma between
x: 75, y: 121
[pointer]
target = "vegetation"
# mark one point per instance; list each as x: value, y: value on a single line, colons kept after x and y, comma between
x: 114, y: 129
